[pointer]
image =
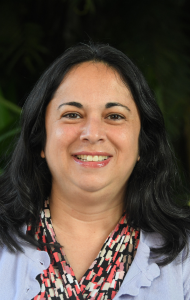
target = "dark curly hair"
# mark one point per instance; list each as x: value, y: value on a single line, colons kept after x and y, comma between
x: 152, y: 201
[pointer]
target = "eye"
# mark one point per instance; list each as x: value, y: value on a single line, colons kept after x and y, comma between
x: 115, y: 117
x: 72, y: 116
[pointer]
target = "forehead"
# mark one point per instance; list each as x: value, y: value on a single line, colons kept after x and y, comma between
x: 92, y: 78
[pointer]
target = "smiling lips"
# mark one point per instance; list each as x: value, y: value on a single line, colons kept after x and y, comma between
x: 93, y: 160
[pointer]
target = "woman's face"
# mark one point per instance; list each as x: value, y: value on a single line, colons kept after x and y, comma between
x: 92, y: 126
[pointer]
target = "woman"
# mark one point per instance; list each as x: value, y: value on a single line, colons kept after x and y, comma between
x: 89, y: 208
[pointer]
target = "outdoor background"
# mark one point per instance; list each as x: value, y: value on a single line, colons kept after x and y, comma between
x: 155, y: 34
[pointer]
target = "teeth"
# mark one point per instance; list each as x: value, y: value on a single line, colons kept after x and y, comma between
x: 92, y: 158
x: 89, y: 158
x: 95, y: 158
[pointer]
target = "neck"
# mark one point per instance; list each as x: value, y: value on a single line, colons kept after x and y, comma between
x: 83, y: 213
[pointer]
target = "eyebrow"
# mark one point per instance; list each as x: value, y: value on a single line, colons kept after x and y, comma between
x: 111, y: 104
x: 76, y: 104
x: 108, y: 105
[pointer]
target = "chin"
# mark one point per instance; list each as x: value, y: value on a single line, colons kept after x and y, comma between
x: 91, y: 188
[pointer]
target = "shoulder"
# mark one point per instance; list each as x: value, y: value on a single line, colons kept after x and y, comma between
x: 186, y: 268
x: 178, y: 269
x: 155, y: 240
x: 18, y: 271
x: 146, y: 279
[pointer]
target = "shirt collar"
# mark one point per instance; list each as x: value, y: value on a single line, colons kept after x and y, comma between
x: 143, y: 270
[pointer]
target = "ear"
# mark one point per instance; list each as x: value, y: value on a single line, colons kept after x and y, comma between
x: 42, y: 154
x: 138, y: 158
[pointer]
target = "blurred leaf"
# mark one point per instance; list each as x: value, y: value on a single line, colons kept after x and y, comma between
x: 9, y: 114
x: 9, y: 134
x: 5, y: 117
x: 9, y: 105
x: 88, y: 6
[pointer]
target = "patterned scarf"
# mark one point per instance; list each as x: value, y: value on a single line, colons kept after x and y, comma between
x: 105, y: 275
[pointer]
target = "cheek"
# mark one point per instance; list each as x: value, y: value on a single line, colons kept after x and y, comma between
x: 61, y: 137
x: 125, y: 140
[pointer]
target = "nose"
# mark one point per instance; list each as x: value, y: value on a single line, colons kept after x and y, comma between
x: 93, y: 131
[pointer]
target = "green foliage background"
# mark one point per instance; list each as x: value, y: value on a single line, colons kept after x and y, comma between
x: 154, y: 34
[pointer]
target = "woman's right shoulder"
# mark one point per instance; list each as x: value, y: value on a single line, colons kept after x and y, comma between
x: 18, y: 271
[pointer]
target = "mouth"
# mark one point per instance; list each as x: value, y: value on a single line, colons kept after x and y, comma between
x: 91, y: 158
